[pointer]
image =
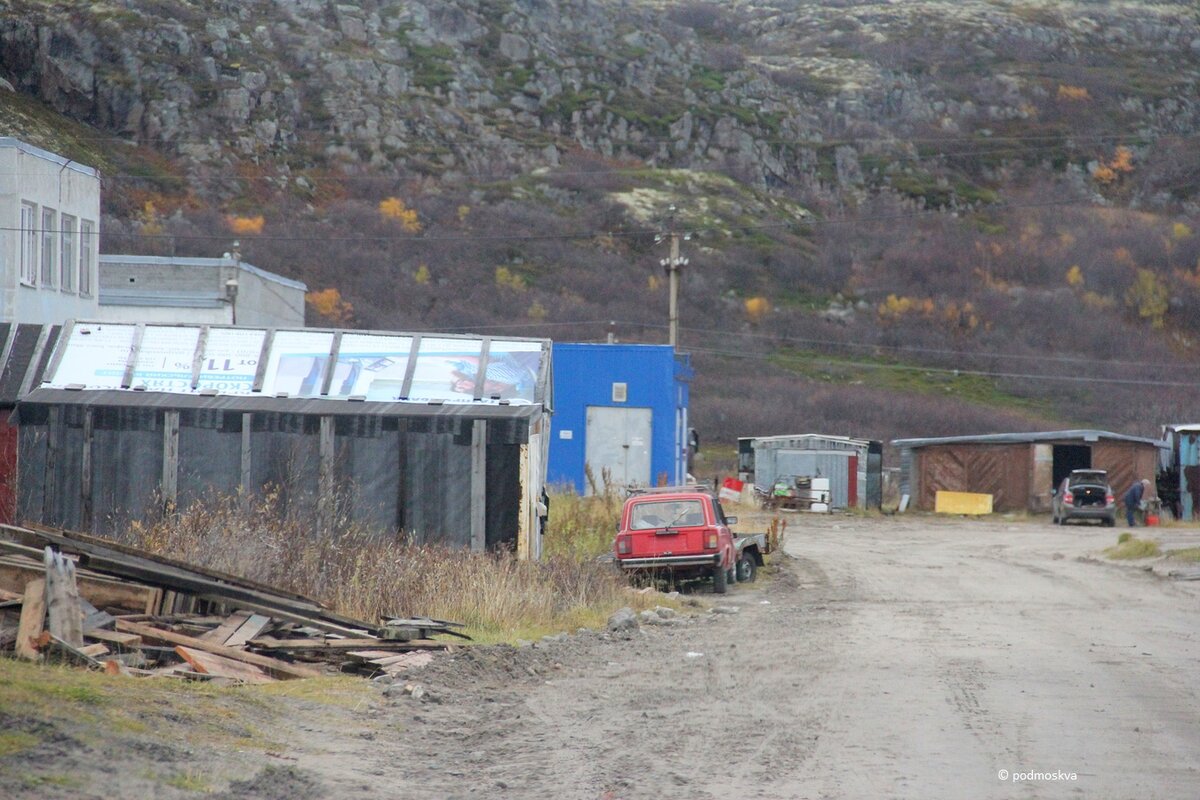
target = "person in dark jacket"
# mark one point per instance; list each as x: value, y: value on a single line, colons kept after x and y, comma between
x: 1133, y: 499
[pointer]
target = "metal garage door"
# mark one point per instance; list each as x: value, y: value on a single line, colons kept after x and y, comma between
x: 618, y: 442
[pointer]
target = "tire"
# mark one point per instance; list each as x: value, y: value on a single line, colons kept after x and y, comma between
x: 747, y: 568
x: 720, y: 580
x: 1110, y: 522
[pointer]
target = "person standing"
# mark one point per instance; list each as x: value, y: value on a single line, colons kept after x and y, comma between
x: 1133, y: 499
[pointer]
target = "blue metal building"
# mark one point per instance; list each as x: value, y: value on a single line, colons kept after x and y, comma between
x: 622, y: 411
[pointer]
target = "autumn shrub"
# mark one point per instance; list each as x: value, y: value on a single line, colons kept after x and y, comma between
x: 369, y: 574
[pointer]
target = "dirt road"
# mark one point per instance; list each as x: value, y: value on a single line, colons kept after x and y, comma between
x: 888, y: 658
x: 892, y: 658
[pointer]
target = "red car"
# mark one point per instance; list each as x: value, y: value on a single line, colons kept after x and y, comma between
x: 685, y: 534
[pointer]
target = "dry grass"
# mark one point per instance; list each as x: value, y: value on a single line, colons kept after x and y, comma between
x: 1191, y: 554
x: 582, y: 527
x: 369, y: 575
x: 1129, y: 548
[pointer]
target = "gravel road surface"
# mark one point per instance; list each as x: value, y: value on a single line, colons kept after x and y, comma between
x: 894, y: 657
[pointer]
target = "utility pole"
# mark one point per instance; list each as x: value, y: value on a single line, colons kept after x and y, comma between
x: 673, y: 265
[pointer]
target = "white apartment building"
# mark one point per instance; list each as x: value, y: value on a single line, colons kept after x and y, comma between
x: 49, y: 236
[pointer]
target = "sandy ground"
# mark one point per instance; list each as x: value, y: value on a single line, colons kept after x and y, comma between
x: 888, y: 657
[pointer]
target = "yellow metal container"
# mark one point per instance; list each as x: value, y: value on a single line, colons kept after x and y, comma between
x: 962, y: 503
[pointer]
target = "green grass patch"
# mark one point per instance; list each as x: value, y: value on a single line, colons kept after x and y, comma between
x: 903, y: 377
x: 15, y: 741
x: 1132, y: 548
x: 1191, y: 554
x: 190, y: 781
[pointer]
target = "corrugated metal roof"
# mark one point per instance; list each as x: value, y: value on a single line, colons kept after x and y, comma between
x: 1086, y: 435
x: 1183, y: 427
x: 812, y: 437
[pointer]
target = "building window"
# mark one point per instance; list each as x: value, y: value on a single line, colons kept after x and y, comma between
x: 87, y: 255
x: 68, y: 261
x: 49, y: 247
x: 29, y: 244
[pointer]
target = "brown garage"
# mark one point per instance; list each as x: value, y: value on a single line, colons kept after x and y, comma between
x: 1020, y: 470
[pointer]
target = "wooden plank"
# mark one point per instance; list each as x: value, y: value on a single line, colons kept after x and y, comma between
x: 94, y: 650
x: 100, y: 591
x: 64, y: 617
x: 170, y: 462
x: 342, y: 645
x: 70, y: 653
x: 129, y: 641
x: 273, y: 666
x: 33, y: 619
x: 478, y: 502
x: 7, y: 595
x: 221, y: 667
x: 226, y: 629
x: 248, y: 630
x: 117, y: 559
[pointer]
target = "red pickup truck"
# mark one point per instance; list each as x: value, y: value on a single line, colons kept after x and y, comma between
x: 684, y: 533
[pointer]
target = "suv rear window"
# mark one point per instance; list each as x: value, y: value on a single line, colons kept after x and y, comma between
x: 666, y: 513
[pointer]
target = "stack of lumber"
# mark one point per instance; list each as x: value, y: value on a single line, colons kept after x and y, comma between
x: 79, y: 599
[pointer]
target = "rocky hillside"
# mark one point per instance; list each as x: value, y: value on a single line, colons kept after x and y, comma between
x: 887, y: 198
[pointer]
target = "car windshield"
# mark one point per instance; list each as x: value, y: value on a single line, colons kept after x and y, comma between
x: 1096, y: 477
x: 666, y: 513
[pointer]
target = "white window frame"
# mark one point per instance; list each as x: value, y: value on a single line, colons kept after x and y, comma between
x: 87, y: 256
x: 29, y: 244
x: 49, y: 256
x: 68, y: 259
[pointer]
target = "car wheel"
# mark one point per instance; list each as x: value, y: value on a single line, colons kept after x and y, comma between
x: 747, y: 568
x: 720, y: 580
x: 1110, y: 522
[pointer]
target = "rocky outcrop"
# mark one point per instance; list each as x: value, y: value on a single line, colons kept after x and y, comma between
x: 763, y: 89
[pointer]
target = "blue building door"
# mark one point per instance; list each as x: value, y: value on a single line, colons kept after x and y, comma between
x: 618, y: 445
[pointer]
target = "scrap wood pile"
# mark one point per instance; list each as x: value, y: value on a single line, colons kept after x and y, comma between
x: 80, y: 599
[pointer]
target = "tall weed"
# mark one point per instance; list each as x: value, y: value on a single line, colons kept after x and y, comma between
x: 370, y: 574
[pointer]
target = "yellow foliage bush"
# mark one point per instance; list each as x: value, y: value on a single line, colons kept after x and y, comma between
x: 394, y: 208
x: 757, y: 308
x: 421, y: 276
x: 1075, y: 276
x: 1180, y: 230
x: 536, y: 311
x: 507, y: 279
x: 1073, y: 93
x: 150, y: 220
x: 1098, y: 302
x: 1148, y: 297
x: 330, y: 305
x: 654, y: 283
x: 244, y: 225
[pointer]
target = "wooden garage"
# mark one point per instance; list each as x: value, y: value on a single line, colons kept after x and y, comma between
x: 1020, y: 470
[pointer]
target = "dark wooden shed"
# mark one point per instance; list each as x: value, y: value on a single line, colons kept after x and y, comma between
x: 1019, y: 470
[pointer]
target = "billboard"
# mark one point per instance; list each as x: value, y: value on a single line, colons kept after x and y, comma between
x: 300, y: 363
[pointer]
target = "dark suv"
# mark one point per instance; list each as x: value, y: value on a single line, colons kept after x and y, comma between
x: 1085, y: 494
